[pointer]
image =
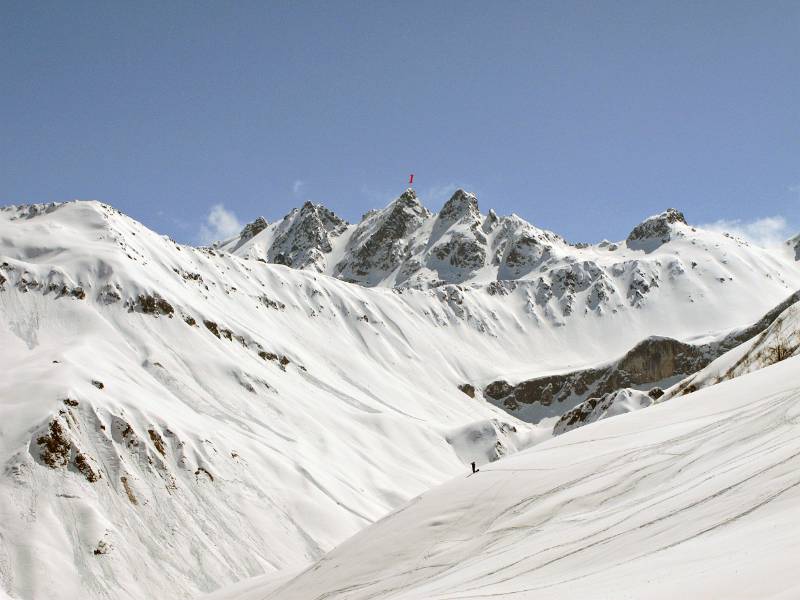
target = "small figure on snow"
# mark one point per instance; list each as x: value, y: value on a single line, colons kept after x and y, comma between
x: 474, y: 469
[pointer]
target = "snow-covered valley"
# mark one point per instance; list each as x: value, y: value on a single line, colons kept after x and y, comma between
x: 185, y: 418
x: 694, y: 498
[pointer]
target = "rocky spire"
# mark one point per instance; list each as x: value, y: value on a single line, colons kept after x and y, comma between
x: 253, y: 229
x: 461, y: 204
x: 306, y: 237
x: 795, y: 244
x: 658, y: 226
x: 490, y: 221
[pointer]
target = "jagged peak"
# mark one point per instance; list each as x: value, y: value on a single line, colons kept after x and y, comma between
x: 254, y: 228
x: 459, y: 205
x: 316, y: 213
x: 409, y: 195
x: 407, y: 202
x: 490, y: 221
x: 657, y: 226
x: 795, y: 244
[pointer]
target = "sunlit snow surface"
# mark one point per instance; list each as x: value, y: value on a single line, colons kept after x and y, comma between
x: 695, y: 498
x: 261, y: 467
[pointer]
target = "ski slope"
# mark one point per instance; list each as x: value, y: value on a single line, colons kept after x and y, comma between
x: 694, y: 498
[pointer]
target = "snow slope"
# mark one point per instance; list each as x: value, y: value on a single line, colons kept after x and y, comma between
x: 694, y: 498
x: 781, y: 340
x: 181, y: 418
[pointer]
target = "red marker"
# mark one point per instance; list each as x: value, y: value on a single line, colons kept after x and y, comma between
x: 410, y: 179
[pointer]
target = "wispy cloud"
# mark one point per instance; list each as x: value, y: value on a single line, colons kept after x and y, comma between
x: 220, y: 224
x: 765, y: 232
x: 297, y: 187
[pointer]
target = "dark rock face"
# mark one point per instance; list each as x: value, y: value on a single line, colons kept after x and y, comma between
x: 306, y: 237
x: 525, y: 250
x: 459, y: 246
x: 378, y: 243
x: 658, y: 227
x: 794, y: 243
x: 582, y: 413
x: 55, y: 446
x: 468, y: 389
x: 461, y: 252
x: 519, y: 247
x: 253, y: 229
x: 652, y: 360
x: 153, y: 305
x: 461, y: 206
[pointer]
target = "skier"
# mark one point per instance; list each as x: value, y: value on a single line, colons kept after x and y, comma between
x: 474, y: 470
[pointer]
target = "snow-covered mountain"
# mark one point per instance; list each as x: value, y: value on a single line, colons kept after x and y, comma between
x: 405, y: 245
x: 181, y: 418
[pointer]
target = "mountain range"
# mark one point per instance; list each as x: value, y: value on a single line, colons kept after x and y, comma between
x: 185, y: 418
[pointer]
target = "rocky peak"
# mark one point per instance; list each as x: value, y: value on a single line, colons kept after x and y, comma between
x: 378, y: 243
x: 409, y: 195
x: 322, y: 217
x: 794, y: 243
x: 253, y: 229
x: 305, y: 236
x: 490, y: 221
x: 403, y: 215
x: 658, y: 226
x: 461, y: 205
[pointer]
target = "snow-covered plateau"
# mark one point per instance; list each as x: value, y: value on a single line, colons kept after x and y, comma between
x: 175, y: 420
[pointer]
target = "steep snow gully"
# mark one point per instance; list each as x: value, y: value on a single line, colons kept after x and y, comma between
x: 183, y: 419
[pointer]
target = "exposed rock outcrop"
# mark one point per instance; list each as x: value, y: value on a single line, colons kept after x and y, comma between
x: 379, y: 243
x: 658, y: 227
x: 305, y: 236
x: 253, y: 229
x: 653, y: 360
x: 794, y: 244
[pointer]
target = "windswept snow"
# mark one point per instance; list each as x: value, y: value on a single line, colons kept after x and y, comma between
x: 694, y: 498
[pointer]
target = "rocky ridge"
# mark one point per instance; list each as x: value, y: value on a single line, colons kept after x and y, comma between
x: 404, y: 245
x: 621, y: 389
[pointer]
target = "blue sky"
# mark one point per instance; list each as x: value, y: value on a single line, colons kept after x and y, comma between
x: 582, y: 117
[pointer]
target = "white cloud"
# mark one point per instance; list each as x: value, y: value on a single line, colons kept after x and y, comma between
x: 220, y: 224
x: 298, y: 186
x: 765, y: 232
